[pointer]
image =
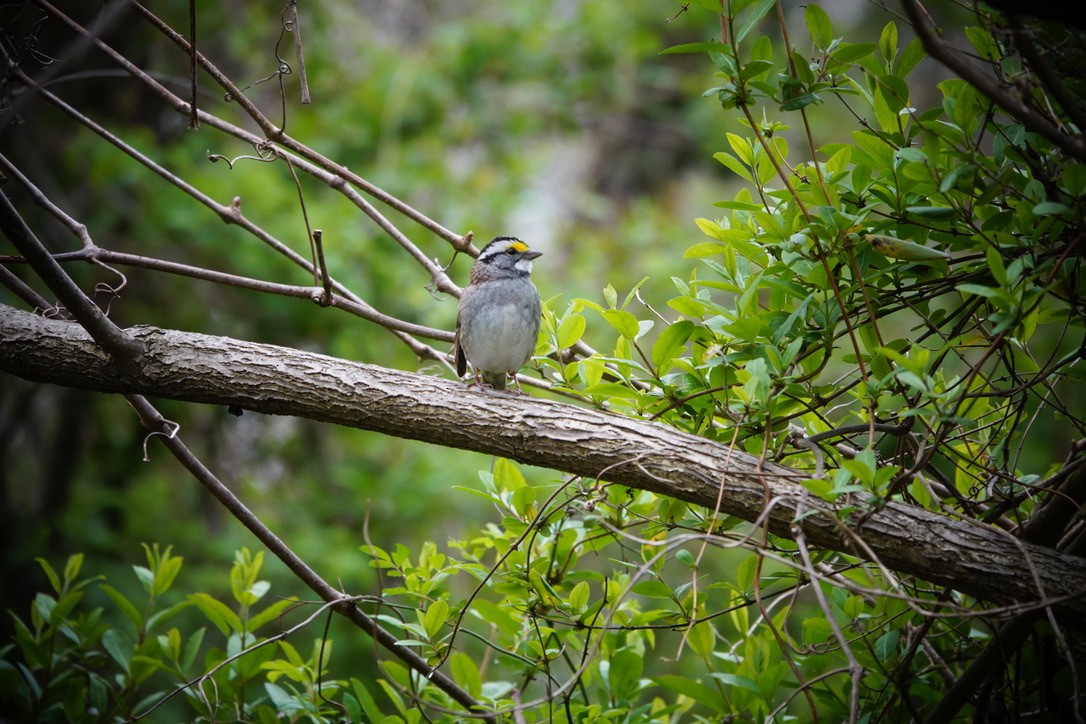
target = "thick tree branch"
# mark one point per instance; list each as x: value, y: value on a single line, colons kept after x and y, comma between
x: 977, y: 560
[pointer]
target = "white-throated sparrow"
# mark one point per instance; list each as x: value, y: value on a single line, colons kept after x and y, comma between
x: 498, y: 323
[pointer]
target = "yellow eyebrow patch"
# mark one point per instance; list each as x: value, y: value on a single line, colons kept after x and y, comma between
x: 519, y: 246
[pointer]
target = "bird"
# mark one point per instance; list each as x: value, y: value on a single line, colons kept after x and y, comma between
x: 500, y: 311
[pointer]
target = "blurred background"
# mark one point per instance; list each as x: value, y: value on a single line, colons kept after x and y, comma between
x: 558, y: 122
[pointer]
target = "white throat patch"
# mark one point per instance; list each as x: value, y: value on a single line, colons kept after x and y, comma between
x: 524, y: 266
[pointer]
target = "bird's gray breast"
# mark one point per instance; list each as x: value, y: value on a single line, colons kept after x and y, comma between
x: 499, y: 324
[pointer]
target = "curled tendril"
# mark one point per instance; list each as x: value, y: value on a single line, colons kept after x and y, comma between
x: 266, y: 153
x: 174, y: 429
x: 282, y: 68
x: 113, y: 291
x: 57, y: 312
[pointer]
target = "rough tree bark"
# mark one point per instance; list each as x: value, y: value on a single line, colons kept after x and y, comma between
x: 977, y: 560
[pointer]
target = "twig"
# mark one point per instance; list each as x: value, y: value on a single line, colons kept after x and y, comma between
x: 326, y: 282
x: 194, y: 114
x: 295, y: 28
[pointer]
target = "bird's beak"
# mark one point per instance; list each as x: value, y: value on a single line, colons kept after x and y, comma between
x: 532, y: 255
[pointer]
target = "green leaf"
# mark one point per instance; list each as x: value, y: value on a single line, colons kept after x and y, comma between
x: 612, y: 389
x: 507, y: 476
x: 523, y: 501
x: 704, y: 249
x: 570, y: 330
x: 466, y: 673
x: 272, y: 612
x: 578, y: 597
x: 71, y: 568
x: 853, y: 606
x: 696, y: 691
x: 166, y: 573
x: 624, y: 674
x: 816, y: 630
x: 753, y: 17
x: 979, y: 290
x: 670, y: 342
x: 192, y: 648
x: 755, y: 68
x: 742, y: 147
x: 800, y: 101
x: 877, y: 149
x: 284, y: 701
x: 709, y: 46
x: 54, y: 579
x: 118, y: 646
x: 218, y: 613
x: 820, y: 487
x: 610, y: 296
x: 933, y: 212
x: 1051, y: 208
x: 912, y: 55
x: 819, y: 25
x: 996, y: 265
x: 1073, y: 180
x: 902, y: 248
x: 653, y: 589
x: 686, y: 558
x: 591, y: 370
x: 852, y: 52
x: 147, y: 578
x: 734, y: 165
x: 500, y: 616
x: 436, y: 616
x: 292, y: 654
x: 127, y: 608
x: 737, y: 681
x: 623, y: 321
x: 369, y: 705
x: 886, y: 645
x: 983, y: 42
x: 888, y: 42
x: 744, y: 573
x: 702, y: 638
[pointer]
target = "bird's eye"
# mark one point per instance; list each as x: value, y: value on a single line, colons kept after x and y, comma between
x: 511, y: 251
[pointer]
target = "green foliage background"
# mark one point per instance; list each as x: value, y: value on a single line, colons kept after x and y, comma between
x: 458, y: 111
x: 565, y: 125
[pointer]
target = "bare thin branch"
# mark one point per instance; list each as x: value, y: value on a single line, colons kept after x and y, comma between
x: 295, y: 28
